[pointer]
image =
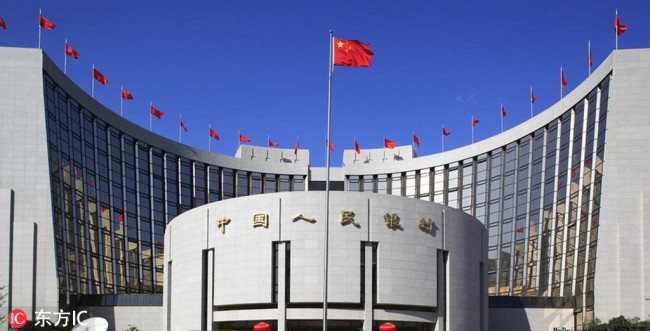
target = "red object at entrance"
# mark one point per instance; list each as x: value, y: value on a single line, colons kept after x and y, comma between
x: 261, y: 326
x: 387, y: 327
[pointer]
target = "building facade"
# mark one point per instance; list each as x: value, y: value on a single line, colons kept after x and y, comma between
x: 86, y: 195
x: 416, y: 264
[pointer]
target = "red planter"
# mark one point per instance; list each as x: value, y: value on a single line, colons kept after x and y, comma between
x: 261, y: 326
x: 387, y: 327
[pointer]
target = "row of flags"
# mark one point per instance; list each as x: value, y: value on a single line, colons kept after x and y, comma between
x: 350, y: 53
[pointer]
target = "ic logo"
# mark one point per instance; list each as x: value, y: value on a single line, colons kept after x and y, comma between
x: 17, y: 318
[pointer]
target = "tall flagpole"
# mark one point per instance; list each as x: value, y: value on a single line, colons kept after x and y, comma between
x: 92, y: 82
x: 65, y: 55
x: 327, y: 181
x: 122, y: 102
x: 209, y: 137
x: 40, y: 13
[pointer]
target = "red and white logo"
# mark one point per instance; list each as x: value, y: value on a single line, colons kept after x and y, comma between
x: 17, y: 318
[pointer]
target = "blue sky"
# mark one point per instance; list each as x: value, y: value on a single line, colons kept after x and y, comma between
x: 260, y: 67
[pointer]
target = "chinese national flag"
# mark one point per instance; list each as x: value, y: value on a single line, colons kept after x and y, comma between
x: 183, y: 126
x: 503, y: 111
x: 295, y: 149
x: 156, y: 112
x: 71, y: 52
x: 416, y: 140
x: 3, y: 25
x: 618, y: 26
x: 563, y: 81
x: 272, y: 144
x: 474, y: 122
x: 389, y: 143
x: 214, y: 134
x: 126, y: 95
x: 243, y: 139
x: 356, y: 147
x: 445, y: 132
x: 45, y: 23
x: 100, y: 77
x: 331, y: 146
x: 532, y: 96
x: 351, y: 53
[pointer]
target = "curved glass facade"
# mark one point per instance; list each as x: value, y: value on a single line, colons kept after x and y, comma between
x: 114, y: 194
x: 539, y: 198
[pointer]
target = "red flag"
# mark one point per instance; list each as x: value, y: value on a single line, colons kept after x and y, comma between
x: 416, y: 140
x: 563, y: 81
x: 589, y: 60
x: 126, y: 95
x: 45, y: 23
x: 351, y: 53
x: 520, y: 230
x: 389, y: 143
x: 272, y: 144
x: 71, y: 52
x: 532, y: 96
x: 445, y: 132
x: 103, y: 209
x: 155, y: 112
x: 2, y: 24
x: 331, y: 146
x: 100, y: 77
x: 120, y: 217
x: 503, y: 111
x: 618, y: 26
x: 183, y: 126
x: 474, y: 122
x: 295, y: 149
x: 243, y: 139
x: 356, y: 147
x: 214, y: 134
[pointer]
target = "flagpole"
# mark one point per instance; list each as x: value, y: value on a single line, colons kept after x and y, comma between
x: 122, y: 102
x: 65, y: 56
x: 531, y: 101
x: 150, y: 105
x: 238, y: 139
x: 501, y: 111
x: 473, y: 129
x: 92, y: 82
x: 355, y: 149
x: 209, y: 137
x: 180, y: 129
x: 40, y: 13
x: 616, y: 29
x: 327, y: 181
x: 561, y: 88
x: 442, y: 133
x: 589, y: 56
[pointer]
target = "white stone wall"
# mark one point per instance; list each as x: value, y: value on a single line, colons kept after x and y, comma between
x: 406, y: 263
x: 622, y: 284
x: 24, y: 168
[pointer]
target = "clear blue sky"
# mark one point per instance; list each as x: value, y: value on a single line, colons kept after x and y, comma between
x: 260, y: 67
